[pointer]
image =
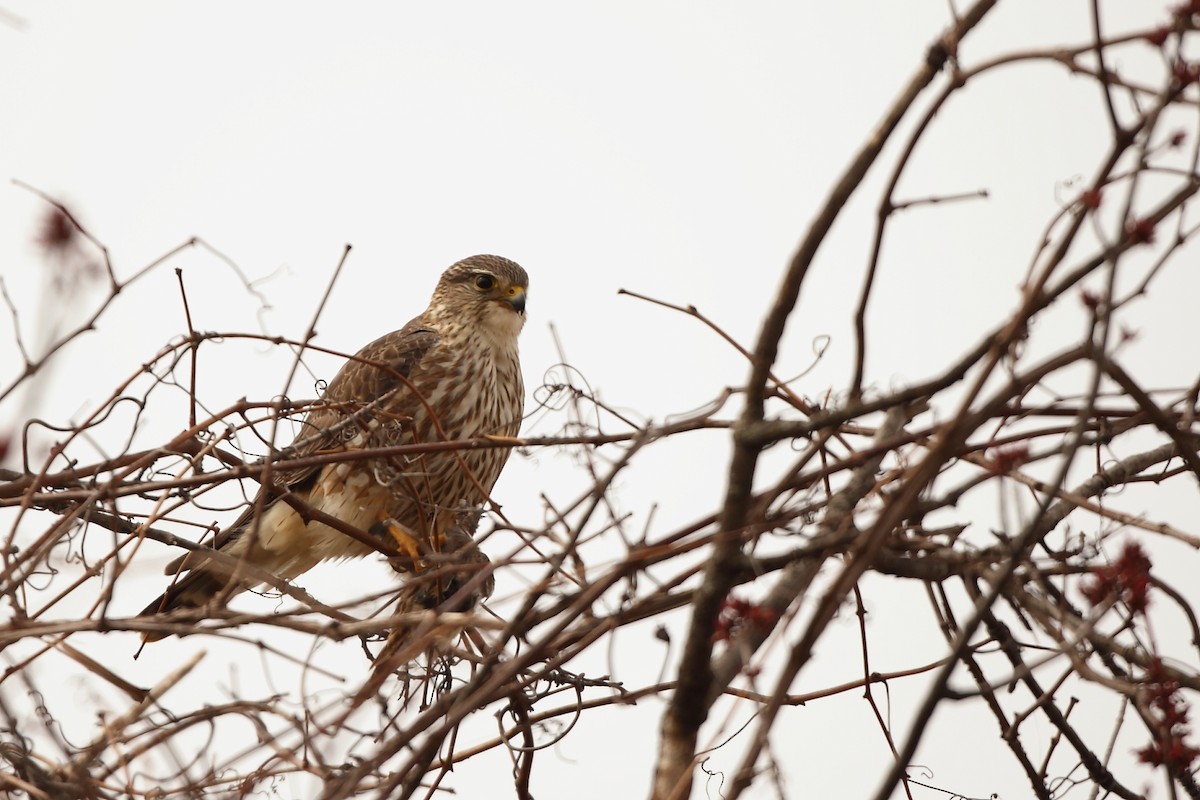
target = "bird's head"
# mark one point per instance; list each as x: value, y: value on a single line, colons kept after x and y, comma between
x: 487, y: 290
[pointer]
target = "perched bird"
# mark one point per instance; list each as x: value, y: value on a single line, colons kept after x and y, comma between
x: 450, y: 374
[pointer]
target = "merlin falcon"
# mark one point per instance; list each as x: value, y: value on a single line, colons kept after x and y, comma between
x: 450, y: 374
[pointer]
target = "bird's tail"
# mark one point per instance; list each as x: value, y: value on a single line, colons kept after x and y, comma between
x: 197, y: 588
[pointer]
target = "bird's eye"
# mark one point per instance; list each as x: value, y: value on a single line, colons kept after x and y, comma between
x: 485, y: 282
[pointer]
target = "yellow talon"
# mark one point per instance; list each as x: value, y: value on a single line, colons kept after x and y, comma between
x: 415, y: 548
x: 443, y: 521
x: 408, y: 543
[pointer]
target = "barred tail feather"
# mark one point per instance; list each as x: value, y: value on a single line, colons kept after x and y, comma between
x: 194, y: 590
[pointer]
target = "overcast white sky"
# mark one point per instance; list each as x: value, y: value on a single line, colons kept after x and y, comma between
x: 674, y: 149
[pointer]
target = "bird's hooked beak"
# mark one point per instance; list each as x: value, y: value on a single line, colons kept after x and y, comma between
x: 514, y: 296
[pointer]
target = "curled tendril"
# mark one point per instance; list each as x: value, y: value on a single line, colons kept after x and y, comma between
x: 521, y: 717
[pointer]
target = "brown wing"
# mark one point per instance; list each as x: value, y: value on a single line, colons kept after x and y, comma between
x: 376, y: 371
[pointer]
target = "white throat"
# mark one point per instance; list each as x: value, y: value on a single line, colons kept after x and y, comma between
x: 502, y: 326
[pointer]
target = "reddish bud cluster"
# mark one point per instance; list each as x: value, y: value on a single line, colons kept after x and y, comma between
x: 1178, y: 138
x: 1186, y: 9
x: 736, y: 614
x: 1128, y: 578
x: 1004, y: 460
x: 1158, y: 36
x: 1170, y: 714
x: 1091, y: 198
x: 1140, y: 231
x: 57, y: 233
x: 1185, y: 73
x: 1089, y: 299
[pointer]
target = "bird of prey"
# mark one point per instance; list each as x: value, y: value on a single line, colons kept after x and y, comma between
x: 452, y: 373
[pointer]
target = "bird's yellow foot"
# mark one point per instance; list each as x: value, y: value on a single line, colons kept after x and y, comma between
x: 405, y: 539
